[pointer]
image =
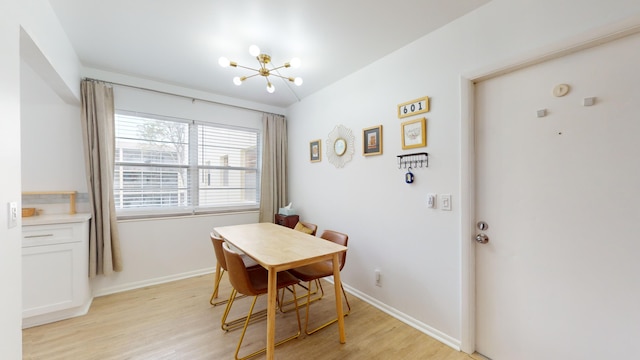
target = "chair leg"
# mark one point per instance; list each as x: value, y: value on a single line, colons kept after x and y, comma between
x: 216, y: 287
x: 223, y: 324
x: 237, y: 323
x: 246, y: 324
x: 306, y: 325
x: 284, y: 303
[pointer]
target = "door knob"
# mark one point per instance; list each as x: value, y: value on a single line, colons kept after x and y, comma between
x: 482, y: 238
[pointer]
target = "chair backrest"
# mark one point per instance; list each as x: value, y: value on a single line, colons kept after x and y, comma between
x: 338, y: 238
x: 312, y: 227
x: 238, y: 274
x: 217, y: 247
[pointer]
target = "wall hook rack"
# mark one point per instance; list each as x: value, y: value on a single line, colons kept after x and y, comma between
x: 415, y: 160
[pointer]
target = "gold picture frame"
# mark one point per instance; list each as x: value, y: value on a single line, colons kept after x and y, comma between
x: 315, y: 150
x: 414, y: 133
x: 372, y: 141
x: 413, y: 107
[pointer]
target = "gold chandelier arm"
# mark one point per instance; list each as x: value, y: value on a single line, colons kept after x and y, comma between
x: 250, y: 76
x: 283, y: 77
x: 280, y: 67
x: 248, y: 68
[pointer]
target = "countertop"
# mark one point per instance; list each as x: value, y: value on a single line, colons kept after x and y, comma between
x: 55, y: 219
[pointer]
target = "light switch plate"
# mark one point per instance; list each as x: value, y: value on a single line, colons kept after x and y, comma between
x: 445, y: 202
x: 12, y: 220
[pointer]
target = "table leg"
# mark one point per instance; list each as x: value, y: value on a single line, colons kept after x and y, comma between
x: 271, y: 313
x: 338, y: 291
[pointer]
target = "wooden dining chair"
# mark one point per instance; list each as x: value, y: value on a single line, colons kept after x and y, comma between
x: 306, y: 227
x: 311, y: 229
x: 316, y: 271
x: 254, y: 282
x: 221, y: 268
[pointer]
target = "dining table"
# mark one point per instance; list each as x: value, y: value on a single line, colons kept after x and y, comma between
x: 279, y: 248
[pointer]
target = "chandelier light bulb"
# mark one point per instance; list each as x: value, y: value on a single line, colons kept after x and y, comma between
x: 224, y: 62
x: 270, y: 88
x: 254, y: 50
x: 298, y: 81
x: 295, y: 63
x: 237, y: 80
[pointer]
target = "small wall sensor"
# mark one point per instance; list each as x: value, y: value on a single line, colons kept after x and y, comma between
x: 542, y: 113
x: 588, y: 101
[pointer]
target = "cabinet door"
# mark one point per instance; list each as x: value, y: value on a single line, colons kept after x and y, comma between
x: 51, y: 279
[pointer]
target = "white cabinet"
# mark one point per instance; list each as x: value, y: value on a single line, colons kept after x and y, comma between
x: 55, y: 271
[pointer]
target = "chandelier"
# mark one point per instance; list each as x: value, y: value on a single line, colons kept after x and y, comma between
x: 263, y: 61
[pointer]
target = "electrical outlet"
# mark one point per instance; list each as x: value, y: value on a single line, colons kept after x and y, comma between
x: 12, y: 220
x: 377, y: 277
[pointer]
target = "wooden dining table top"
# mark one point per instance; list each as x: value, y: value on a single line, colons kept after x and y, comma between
x: 278, y: 247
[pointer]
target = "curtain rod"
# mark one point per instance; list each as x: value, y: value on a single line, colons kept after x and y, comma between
x: 193, y: 99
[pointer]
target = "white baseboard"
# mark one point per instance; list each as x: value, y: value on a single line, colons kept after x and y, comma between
x: 154, y: 281
x: 56, y: 315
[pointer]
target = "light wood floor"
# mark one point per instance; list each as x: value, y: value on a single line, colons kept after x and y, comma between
x: 175, y: 321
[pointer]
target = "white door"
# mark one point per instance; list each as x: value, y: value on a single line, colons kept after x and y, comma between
x: 560, y: 275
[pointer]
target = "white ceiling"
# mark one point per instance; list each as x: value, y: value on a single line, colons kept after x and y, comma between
x: 180, y: 42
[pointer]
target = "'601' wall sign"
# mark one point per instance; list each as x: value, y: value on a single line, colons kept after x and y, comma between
x: 413, y: 107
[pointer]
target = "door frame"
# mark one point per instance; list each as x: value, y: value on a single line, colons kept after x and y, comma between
x: 468, y: 80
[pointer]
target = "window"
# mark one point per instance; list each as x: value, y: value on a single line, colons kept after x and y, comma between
x: 175, y: 166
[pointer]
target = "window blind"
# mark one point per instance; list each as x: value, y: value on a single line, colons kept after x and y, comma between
x: 165, y: 164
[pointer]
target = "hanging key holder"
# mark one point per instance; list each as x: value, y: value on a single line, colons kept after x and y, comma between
x: 409, y: 161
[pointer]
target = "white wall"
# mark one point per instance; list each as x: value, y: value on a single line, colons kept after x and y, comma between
x: 59, y: 66
x: 136, y: 100
x: 10, y: 264
x: 38, y: 21
x: 417, y: 249
x: 127, y: 80
x: 161, y: 250
x: 52, y: 154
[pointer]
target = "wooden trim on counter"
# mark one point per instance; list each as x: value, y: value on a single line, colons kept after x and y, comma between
x: 72, y: 197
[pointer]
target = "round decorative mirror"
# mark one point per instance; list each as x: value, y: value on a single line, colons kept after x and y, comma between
x: 340, y: 146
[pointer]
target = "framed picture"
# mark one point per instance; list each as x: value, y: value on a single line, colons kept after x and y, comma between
x: 372, y: 141
x: 414, y: 133
x: 413, y: 107
x: 315, y: 150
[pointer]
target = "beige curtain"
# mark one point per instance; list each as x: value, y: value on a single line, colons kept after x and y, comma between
x: 273, y: 182
x: 99, y: 145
